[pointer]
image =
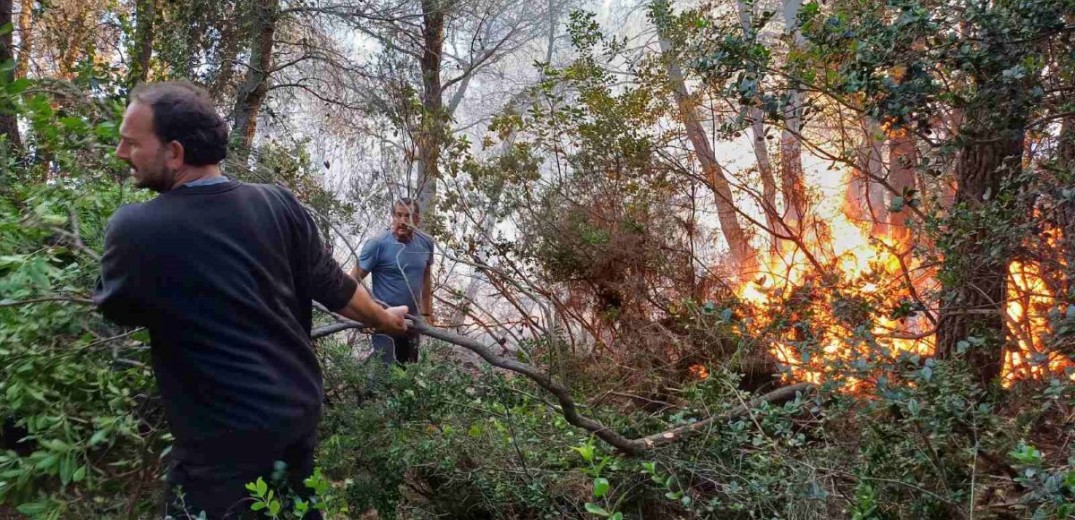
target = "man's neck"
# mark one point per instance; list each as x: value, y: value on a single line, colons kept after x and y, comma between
x: 195, y: 173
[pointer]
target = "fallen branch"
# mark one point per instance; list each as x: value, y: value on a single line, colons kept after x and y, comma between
x: 326, y: 330
x: 778, y: 396
x: 69, y: 299
x: 568, y: 407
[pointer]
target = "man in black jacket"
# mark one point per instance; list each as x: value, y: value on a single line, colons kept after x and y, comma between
x: 222, y: 273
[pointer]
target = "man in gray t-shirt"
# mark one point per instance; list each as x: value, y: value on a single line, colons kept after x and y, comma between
x: 400, y: 259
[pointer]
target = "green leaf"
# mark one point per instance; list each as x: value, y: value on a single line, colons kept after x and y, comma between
x: 7, y: 29
x: 1065, y: 511
x: 617, y: 516
x: 79, y: 474
x: 262, y: 487
x: 596, y: 510
x: 74, y: 124
x: 600, y: 487
x: 1069, y: 479
x: 18, y: 86
x: 67, y: 469
x: 257, y: 506
x: 12, y: 260
x: 100, y: 436
x: 274, y: 508
x: 1026, y: 454
x: 48, y: 462
x: 912, y: 406
x: 33, y: 508
x: 586, y: 451
x: 54, y: 220
x: 107, y: 131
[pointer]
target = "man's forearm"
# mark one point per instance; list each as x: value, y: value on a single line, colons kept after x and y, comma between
x: 363, y: 309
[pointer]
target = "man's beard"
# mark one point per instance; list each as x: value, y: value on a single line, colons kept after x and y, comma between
x: 157, y: 178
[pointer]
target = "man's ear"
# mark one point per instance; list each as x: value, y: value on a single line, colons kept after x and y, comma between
x: 176, y: 154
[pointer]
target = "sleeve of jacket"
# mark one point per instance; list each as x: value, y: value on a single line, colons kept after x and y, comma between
x: 123, y: 286
x: 329, y: 284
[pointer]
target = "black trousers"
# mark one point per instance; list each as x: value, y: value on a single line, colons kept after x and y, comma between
x: 219, y: 488
x: 397, y: 349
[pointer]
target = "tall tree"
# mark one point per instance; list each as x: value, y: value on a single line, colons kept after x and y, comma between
x: 429, y: 51
x: 26, y: 37
x: 903, y: 162
x: 9, y: 124
x: 742, y: 253
x: 989, y: 175
x: 145, y: 15
x: 248, y: 101
x: 756, y: 116
x: 791, y: 167
x: 432, y: 129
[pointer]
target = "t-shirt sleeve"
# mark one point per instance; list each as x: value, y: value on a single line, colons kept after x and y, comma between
x: 367, y: 258
x: 329, y: 285
x: 123, y: 285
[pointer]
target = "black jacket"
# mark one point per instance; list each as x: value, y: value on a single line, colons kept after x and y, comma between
x: 222, y: 275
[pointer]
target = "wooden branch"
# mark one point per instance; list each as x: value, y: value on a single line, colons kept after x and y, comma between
x: 69, y: 299
x: 568, y: 407
x: 567, y: 404
x: 778, y: 396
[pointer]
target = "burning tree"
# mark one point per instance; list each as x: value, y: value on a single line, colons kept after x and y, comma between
x: 934, y: 132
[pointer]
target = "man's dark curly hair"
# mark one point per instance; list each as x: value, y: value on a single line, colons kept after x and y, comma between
x: 185, y: 113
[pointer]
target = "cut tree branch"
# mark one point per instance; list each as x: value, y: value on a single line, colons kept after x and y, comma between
x: 568, y: 407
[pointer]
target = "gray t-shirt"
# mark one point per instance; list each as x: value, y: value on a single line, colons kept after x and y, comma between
x: 397, y: 268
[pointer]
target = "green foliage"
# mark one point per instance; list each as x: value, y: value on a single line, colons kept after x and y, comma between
x: 279, y: 502
x: 76, y: 392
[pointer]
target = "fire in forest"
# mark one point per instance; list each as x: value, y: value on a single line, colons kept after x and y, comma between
x: 850, y: 290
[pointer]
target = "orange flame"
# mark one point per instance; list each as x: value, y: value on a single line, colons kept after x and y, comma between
x: 864, y: 261
x: 1028, y: 305
x: 855, y: 265
x: 699, y: 372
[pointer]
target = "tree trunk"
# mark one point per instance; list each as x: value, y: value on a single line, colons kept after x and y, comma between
x: 9, y: 126
x: 742, y: 253
x: 145, y: 16
x: 865, y: 196
x: 26, y: 38
x: 1066, y: 146
x: 791, y: 167
x: 255, y: 88
x: 229, y: 50
x: 768, y: 181
x: 903, y: 159
x: 1065, y: 153
x: 761, y: 150
x: 433, y: 131
x: 975, y: 269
